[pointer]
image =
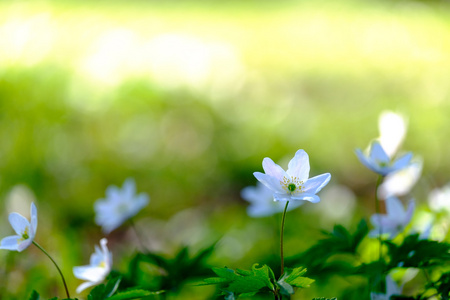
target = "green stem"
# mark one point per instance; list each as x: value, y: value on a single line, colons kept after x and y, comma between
x: 59, y: 270
x: 281, y: 238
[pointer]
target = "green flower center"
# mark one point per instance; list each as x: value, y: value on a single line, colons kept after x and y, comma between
x: 291, y: 187
x: 122, y: 208
x: 25, y: 235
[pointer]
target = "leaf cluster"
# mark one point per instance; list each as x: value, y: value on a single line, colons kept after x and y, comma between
x: 108, y: 291
x: 338, y: 241
x: 167, y: 273
x: 247, y: 283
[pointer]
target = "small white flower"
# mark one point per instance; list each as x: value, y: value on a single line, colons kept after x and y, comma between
x: 119, y: 205
x: 262, y: 203
x: 395, y: 220
x: 399, y: 183
x: 25, y: 231
x: 391, y: 289
x: 99, y: 267
x: 379, y: 162
x: 392, y: 128
x: 293, y: 184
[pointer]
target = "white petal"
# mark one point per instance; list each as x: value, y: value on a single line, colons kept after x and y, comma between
x: 270, y: 182
x: 400, y: 182
x: 281, y: 197
x: 273, y: 170
x: 377, y: 153
x: 24, y: 244
x: 260, y: 210
x: 366, y: 161
x: 299, y: 166
x: 84, y: 286
x: 90, y: 273
x: 403, y: 161
x: 392, y: 128
x: 315, y: 184
x: 394, y: 208
x: 307, y: 197
x: 10, y: 243
x: 129, y: 188
x: 18, y: 222
x: 34, y: 220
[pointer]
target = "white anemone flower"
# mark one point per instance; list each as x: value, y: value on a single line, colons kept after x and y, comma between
x: 391, y: 289
x: 293, y: 184
x: 262, y: 203
x: 394, y: 221
x: 99, y: 267
x: 25, y: 231
x: 119, y: 205
x: 379, y: 162
x: 401, y: 182
x: 392, y: 127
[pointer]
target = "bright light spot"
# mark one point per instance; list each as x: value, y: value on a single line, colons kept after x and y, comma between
x: 401, y: 182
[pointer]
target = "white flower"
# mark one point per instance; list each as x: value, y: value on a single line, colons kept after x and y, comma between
x: 392, y: 128
x: 292, y: 184
x: 25, y: 231
x: 399, y: 183
x: 99, y: 267
x: 119, y: 206
x: 391, y: 289
x: 262, y: 203
x: 395, y: 220
x: 439, y: 199
x: 379, y: 162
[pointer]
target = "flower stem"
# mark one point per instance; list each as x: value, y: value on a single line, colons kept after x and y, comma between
x: 281, y: 238
x: 59, y: 270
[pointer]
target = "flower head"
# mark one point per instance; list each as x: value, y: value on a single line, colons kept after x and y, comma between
x: 400, y: 182
x: 25, y: 231
x: 293, y: 184
x: 261, y: 201
x: 395, y: 220
x: 119, y: 205
x: 99, y: 267
x: 379, y: 162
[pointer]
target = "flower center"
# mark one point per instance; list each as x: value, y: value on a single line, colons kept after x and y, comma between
x: 25, y: 235
x: 292, y: 185
x: 102, y: 264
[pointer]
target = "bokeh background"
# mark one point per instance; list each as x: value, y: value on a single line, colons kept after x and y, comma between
x: 187, y: 98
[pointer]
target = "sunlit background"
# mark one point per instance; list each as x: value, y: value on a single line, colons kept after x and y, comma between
x: 187, y: 98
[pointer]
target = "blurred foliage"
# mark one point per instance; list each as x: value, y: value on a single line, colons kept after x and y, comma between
x: 188, y: 98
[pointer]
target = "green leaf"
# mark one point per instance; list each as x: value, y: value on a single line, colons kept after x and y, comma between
x: 133, y: 294
x: 323, y: 298
x: 295, y: 278
x: 243, y: 282
x: 34, y: 295
x: 111, y: 286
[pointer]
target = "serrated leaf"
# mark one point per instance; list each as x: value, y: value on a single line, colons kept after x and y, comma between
x: 213, y: 280
x: 97, y: 293
x: 133, y: 294
x: 34, y: 295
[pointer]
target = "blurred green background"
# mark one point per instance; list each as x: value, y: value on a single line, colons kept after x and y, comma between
x: 188, y: 97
